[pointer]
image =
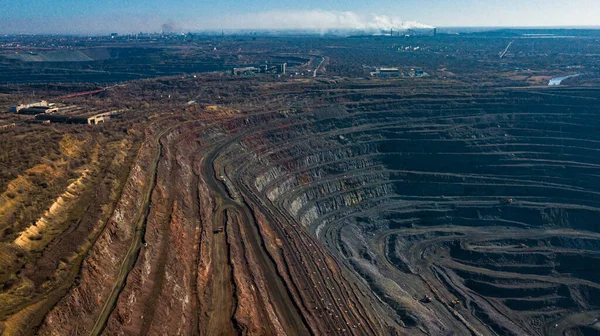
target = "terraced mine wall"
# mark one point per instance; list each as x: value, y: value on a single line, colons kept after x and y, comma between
x: 444, y: 195
x: 360, y: 208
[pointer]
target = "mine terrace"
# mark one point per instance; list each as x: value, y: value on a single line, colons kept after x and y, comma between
x: 380, y: 185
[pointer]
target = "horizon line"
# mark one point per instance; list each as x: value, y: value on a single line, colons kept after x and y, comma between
x: 304, y: 30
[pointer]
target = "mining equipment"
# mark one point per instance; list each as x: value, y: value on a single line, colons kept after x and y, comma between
x: 427, y: 299
x: 507, y: 200
x: 219, y: 230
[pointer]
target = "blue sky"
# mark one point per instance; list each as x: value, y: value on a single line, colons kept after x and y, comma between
x: 99, y: 16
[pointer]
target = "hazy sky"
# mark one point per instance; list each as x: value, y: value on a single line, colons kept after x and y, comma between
x: 101, y: 16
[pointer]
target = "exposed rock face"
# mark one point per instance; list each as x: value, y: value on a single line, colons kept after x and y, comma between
x: 368, y: 211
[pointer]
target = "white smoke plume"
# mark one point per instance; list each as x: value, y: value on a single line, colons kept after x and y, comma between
x: 320, y: 20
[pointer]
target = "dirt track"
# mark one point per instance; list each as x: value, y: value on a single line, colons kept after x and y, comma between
x: 222, y: 301
x: 136, y: 243
x: 278, y: 294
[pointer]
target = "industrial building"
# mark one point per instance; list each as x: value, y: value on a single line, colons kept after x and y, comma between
x: 4, y: 125
x: 396, y: 72
x: 81, y: 117
x: 265, y: 68
x: 35, y: 110
x: 281, y: 68
x: 71, y: 114
x: 385, y: 72
x: 246, y: 71
x: 417, y: 73
x: 40, y: 104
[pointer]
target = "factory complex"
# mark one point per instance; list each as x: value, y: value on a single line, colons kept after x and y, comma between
x: 43, y: 111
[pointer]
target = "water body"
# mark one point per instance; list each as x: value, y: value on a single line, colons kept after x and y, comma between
x: 558, y: 80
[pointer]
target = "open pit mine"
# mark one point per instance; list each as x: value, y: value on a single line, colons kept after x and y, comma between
x: 324, y: 207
